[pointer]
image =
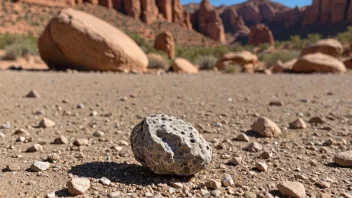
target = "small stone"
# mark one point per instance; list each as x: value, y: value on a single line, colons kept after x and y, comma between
x: 2, y: 135
x: 344, y: 159
x: 266, y: 155
x: 51, y: 195
x: 81, y: 142
x: 324, y: 184
x: 213, y: 184
x: 249, y: 195
x: 98, y: 134
x: 266, y: 127
x: 22, y: 132
x: 316, y: 121
x: 33, y: 94
x: 93, y: 113
x: 77, y: 186
x: 80, y: 106
x: 35, y: 148
x: 254, y: 147
x: 329, y: 142
x: 6, y: 125
x: 12, y: 167
x: 105, y: 181
x: 298, y: 124
x: 38, y: 166
x: 114, y: 194
x: 292, y: 189
x: 346, y: 195
x: 46, y: 123
x: 261, y: 166
x: 204, y: 192
x: 61, y: 140
x: 227, y: 180
x: 236, y: 161
x: 53, y: 157
x: 148, y: 194
x: 216, y: 193
x: 276, y: 103
x: 124, y: 98
x: 20, y: 139
x: 176, y: 185
x: 242, y: 137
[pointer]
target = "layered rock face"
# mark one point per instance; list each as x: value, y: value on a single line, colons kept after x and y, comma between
x: 259, y: 34
x: 207, y: 21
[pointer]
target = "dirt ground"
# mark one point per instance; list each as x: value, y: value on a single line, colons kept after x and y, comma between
x: 220, y: 106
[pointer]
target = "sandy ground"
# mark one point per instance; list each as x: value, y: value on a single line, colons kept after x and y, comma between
x: 204, y: 100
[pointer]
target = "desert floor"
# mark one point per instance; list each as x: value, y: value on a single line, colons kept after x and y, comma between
x: 221, y: 106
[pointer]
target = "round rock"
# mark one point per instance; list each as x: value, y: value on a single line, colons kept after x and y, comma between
x: 78, y: 186
x: 344, y: 159
x: 266, y: 127
x: 170, y: 146
x: 292, y: 189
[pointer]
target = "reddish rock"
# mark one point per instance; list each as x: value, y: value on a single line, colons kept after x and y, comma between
x: 177, y: 12
x: 259, y: 34
x: 234, y: 23
x: 209, y: 22
x: 320, y: 63
x: 187, y: 20
x: 117, y: 5
x: 267, y: 11
x: 133, y: 8
x: 348, y: 63
x: 94, y: 2
x: 312, y: 13
x: 165, y: 42
x: 250, y: 14
x: 182, y: 65
x: 165, y: 9
x: 149, y: 11
x: 106, y: 3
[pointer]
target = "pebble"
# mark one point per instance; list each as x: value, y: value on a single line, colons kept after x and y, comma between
x: 80, y: 106
x: 236, y: 161
x: 98, y: 134
x: 93, y: 113
x: 21, y: 132
x: 105, y: 181
x: 213, y: 184
x: 176, y: 184
x: 81, y: 142
x: 292, y: 189
x: 20, y: 139
x: 276, y: 103
x: 261, y: 166
x: 2, y: 135
x: 344, y: 158
x: 61, y: 140
x: 6, y: 125
x: 216, y: 193
x: 242, y: 137
x: 227, y: 180
x: 316, y: 121
x: 33, y: 94
x: 51, y: 195
x: 13, y: 167
x: 78, y: 186
x: 266, y: 155
x: 204, y: 192
x: 115, y: 194
x: 253, y: 147
x: 266, y: 127
x: 298, y: 124
x: 35, y: 148
x: 38, y: 166
x: 46, y: 123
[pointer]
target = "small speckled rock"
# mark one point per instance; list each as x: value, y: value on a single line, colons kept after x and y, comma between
x: 344, y: 159
x: 292, y: 189
x: 266, y: 127
x: 170, y: 146
x: 46, y: 123
x: 77, y: 186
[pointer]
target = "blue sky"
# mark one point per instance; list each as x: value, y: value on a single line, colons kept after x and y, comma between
x: 290, y: 3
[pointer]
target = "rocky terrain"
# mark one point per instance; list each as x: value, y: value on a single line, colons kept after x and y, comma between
x: 89, y: 118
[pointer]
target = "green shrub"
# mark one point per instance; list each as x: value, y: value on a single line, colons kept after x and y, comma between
x: 20, y: 49
x: 233, y: 68
x: 283, y: 55
x: 157, y: 61
x: 206, y: 62
x: 345, y: 37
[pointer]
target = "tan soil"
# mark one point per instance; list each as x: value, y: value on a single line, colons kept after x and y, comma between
x: 201, y: 99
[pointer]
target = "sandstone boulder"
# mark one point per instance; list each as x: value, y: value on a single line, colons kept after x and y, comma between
x: 330, y: 47
x: 266, y: 127
x: 184, y: 66
x: 260, y: 34
x: 348, y: 63
x: 77, y: 40
x: 243, y: 58
x: 165, y: 42
x: 344, y: 159
x: 320, y: 63
x: 170, y: 146
x: 283, y: 67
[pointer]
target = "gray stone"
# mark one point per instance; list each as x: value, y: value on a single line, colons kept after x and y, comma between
x: 38, y: 166
x: 242, y: 137
x: 168, y: 145
x: 254, y: 147
x: 227, y: 180
x: 114, y: 194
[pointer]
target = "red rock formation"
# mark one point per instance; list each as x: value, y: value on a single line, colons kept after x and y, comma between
x: 133, y: 8
x: 94, y: 2
x: 187, y: 20
x: 150, y: 11
x: 234, y: 23
x: 165, y: 9
x: 250, y: 14
x: 165, y: 42
x: 259, y: 34
x: 209, y: 23
x: 177, y: 12
x: 267, y: 11
x: 117, y: 5
x: 106, y: 3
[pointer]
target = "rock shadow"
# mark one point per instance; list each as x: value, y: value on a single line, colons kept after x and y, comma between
x: 124, y: 173
x: 63, y: 193
x: 251, y: 133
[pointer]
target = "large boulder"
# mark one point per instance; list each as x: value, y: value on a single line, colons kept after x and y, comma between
x: 330, y: 47
x: 80, y: 41
x: 243, y: 58
x: 170, y: 146
x: 260, y: 34
x: 320, y: 63
x: 182, y: 65
x: 165, y: 42
x: 348, y: 63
